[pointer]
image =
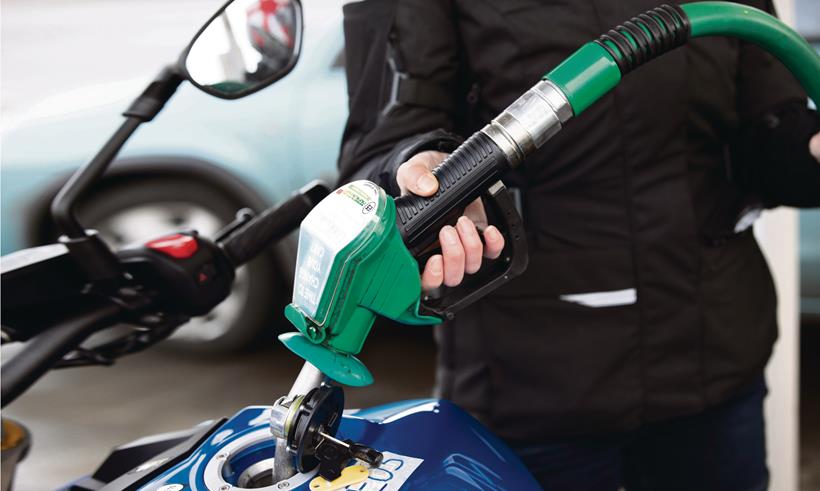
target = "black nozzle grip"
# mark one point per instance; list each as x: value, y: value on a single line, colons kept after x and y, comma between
x: 272, y: 225
x: 462, y: 177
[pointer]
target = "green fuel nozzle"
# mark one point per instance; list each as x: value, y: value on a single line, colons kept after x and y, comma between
x: 358, y: 249
x: 351, y: 265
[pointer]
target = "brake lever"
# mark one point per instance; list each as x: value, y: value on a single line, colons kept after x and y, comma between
x: 242, y: 217
x: 142, y: 336
x: 499, y: 205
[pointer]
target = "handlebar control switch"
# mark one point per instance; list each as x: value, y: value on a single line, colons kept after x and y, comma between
x: 177, y: 246
x: 191, y: 272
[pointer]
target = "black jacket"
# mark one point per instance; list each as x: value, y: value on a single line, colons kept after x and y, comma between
x: 636, y: 199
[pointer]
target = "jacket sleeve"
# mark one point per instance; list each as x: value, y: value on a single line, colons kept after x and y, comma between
x: 387, y: 43
x: 770, y: 153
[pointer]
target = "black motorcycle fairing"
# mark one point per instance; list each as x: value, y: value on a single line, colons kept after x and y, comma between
x: 134, y: 464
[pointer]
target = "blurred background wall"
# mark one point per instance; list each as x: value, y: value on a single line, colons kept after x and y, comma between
x: 778, y: 232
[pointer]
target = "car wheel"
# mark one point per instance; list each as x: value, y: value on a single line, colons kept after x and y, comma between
x: 138, y: 209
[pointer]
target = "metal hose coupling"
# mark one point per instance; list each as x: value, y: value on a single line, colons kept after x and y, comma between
x: 530, y: 121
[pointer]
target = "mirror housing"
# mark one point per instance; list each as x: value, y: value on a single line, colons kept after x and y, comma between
x: 244, y: 47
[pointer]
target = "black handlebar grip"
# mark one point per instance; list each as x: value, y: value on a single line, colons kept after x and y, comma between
x: 463, y: 176
x: 272, y: 225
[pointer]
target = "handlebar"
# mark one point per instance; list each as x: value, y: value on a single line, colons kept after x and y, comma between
x: 44, y: 351
x: 272, y: 225
x: 50, y: 347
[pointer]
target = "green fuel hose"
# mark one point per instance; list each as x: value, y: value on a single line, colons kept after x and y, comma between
x: 598, y: 66
x: 577, y: 83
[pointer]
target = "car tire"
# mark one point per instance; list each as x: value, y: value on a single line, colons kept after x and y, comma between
x: 137, y: 209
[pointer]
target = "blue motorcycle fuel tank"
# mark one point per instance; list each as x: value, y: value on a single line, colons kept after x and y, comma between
x: 427, y: 444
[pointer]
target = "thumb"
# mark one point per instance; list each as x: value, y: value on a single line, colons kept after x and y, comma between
x: 814, y: 147
x: 414, y: 176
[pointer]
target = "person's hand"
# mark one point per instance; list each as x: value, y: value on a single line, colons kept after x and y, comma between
x: 461, y: 247
x: 814, y: 147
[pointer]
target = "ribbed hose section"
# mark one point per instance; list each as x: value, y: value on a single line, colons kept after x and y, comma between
x: 646, y: 37
x: 597, y: 67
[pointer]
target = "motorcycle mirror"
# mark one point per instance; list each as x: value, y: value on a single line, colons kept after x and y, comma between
x: 246, y: 46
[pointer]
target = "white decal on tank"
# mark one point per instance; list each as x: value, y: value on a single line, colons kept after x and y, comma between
x: 391, y: 475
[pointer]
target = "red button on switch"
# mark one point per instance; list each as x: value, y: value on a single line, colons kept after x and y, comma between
x: 177, y: 245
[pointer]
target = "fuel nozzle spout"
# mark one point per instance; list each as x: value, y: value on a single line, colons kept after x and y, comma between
x: 282, y: 421
x: 305, y: 427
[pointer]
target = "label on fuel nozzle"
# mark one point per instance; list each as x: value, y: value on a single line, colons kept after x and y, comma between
x: 331, y: 226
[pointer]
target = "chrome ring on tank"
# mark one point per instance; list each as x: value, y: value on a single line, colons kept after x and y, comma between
x: 215, y: 466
